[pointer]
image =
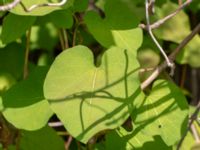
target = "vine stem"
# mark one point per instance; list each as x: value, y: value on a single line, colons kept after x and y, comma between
x: 62, y: 43
x: 162, y: 21
x: 172, y: 57
x: 63, y: 38
x: 192, y: 118
x: 25, y: 74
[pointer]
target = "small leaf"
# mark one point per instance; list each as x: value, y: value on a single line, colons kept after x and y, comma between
x: 14, y: 26
x: 175, y: 29
x: 118, y: 28
x: 24, y: 103
x: 31, y: 117
x: 43, y: 139
x: 89, y: 98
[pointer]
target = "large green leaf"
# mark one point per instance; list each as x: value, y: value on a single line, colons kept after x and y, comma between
x: 43, y: 139
x: 88, y: 99
x: 14, y: 26
x: 164, y: 112
x: 24, y: 103
x: 40, y: 11
x: 118, y: 28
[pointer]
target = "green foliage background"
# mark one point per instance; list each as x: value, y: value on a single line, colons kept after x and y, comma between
x: 84, y: 62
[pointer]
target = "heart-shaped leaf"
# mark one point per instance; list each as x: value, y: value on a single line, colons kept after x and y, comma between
x: 14, y: 26
x: 24, y: 103
x: 117, y: 28
x: 88, y: 99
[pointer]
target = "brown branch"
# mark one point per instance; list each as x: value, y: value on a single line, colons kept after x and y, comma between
x: 169, y: 63
x: 162, y: 21
x: 192, y: 119
x: 172, y: 57
x: 195, y: 133
x: 68, y: 143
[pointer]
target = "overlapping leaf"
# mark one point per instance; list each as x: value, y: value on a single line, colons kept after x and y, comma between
x: 88, y: 99
x: 175, y: 30
x: 118, y: 28
x: 24, y: 103
x: 14, y: 26
x: 158, y: 122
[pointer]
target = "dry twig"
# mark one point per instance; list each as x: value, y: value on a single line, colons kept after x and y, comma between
x: 172, y: 57
x: 162, y: 21
x: 169, y: 63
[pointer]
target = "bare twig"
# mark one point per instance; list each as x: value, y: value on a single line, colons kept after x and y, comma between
x: 43, y: 5
x: 192, y: 118
x: 146, y: 70
x: 9, y: 6
x: 172, y: 57
x: 55, y: 124
x: 195, y: 133
x: 169, y: 63
x: 68, y: 143
x: 162, y: 21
